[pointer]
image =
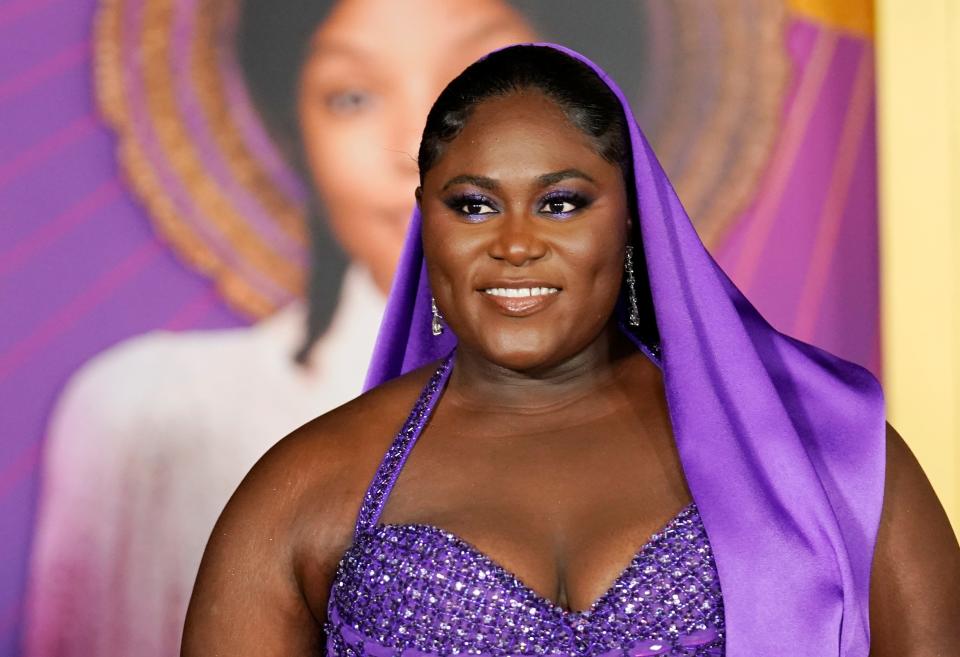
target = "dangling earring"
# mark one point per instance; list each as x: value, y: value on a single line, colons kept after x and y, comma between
x: 435, y: 326
x: 634, y: 316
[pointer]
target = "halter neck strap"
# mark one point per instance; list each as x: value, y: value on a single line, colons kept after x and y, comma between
x: 389, y: 469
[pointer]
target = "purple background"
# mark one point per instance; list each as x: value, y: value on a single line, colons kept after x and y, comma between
x: 81, y: 268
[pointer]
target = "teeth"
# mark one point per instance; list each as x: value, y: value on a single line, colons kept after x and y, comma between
x: 520, y: 291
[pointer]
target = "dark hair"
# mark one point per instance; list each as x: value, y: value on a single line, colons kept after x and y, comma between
x: 586, y: 101
x: 272, y: 44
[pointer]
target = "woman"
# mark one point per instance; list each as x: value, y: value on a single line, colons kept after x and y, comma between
x: 608, y: 384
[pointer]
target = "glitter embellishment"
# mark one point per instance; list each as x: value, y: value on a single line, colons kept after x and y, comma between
x: 396, y: 456
x: 410, y: 589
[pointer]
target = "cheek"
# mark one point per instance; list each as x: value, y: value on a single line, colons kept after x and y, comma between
x: 595, y: 262
x: 452, y: 251
x: 594, y: 265
x: 366, y: 203
x: 343, y: 160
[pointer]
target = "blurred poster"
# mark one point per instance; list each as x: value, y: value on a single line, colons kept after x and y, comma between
x: 204, y: 200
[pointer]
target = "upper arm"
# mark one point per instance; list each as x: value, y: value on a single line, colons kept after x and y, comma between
x: 248, y: 598
x: 915, y: 578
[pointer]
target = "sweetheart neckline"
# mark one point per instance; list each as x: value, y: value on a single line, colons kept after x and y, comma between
x: 510, y: 575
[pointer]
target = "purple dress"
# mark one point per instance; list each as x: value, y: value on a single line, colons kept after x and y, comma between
x: 415, y: 589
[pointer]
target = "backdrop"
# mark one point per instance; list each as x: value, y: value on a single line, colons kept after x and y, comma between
x: 199, y: 222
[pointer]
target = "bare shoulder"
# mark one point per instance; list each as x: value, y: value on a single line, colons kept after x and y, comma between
x: 265, y: 575
x: 908, y: 495
x: 321, y: 470
x: 915, y: 579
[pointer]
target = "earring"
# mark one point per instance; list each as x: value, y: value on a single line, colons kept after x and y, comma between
x: 435, y: 326
x: 634, y: 316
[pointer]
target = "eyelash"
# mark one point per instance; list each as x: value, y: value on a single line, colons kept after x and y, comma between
x: 458, y: 203
x: 577, y: 200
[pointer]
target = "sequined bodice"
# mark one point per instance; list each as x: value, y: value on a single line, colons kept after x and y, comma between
x: 409, y: 590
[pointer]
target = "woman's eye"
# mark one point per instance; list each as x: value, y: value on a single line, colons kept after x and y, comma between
x: 471, y: 206
x: 559, y: 207
x: 563, y: 205
x: 348, y: 102
x: 475, y: 208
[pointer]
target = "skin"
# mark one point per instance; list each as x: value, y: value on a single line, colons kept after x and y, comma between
x: 548, y: 422
x: 373, y: 70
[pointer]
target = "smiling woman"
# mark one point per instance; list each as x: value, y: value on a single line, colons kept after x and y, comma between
x: 598, y: 385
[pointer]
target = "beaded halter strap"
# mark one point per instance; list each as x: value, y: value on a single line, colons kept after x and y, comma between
x: 389, y: 468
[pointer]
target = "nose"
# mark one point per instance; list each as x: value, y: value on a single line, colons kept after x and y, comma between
x: 517, y: 242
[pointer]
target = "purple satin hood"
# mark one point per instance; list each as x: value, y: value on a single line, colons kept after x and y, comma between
x: 782, y: 444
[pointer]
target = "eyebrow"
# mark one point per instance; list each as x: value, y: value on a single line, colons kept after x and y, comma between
x: 328, y: 47
x: 557, y: 176
x: 545, y: 180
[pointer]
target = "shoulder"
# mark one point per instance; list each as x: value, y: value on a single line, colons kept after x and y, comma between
x: 268, y: 567
x: 911, y: 509
x: 102, y: 404
x: 166, y: 391
x: 905, y: 484
x: 305, y: 492
x: 143, y: 367
x: 321, y: 470
x: 915, y: 579
x: 347, y: 443
x: 381, y: 408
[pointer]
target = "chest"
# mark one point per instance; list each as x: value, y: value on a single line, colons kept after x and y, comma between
x: 566, y: 507
x: 414, y: 585
x: 418, y: 586
x: 557, y: 464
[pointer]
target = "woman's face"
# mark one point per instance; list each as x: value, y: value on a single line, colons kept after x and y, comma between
x: 525, y: 226
x: 374, y: 69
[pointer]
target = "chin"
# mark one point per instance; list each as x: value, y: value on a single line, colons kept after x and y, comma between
x: 522, y: 353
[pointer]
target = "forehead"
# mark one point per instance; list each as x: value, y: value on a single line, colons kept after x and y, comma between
x: 520, y: 134
x: 442, y: 33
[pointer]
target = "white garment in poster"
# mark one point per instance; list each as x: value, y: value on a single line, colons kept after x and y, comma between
x: 146, y: 445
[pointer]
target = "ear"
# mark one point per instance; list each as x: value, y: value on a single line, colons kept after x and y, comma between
x: 418, y: 195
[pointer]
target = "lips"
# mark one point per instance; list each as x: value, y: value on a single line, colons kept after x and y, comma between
x: 519, y: 299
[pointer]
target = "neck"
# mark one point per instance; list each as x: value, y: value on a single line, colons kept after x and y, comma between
x: 478, y: 382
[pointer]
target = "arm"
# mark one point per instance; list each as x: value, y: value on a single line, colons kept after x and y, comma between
x: 266, y: 569
x: 915, y: 578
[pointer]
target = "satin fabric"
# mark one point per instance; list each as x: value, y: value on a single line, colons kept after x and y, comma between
x: 782, y: 444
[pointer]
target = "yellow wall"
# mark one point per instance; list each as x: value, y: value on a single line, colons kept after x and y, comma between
x: 918, y: 78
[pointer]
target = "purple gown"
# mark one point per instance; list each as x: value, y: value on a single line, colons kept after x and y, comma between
x: 407, y: 590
